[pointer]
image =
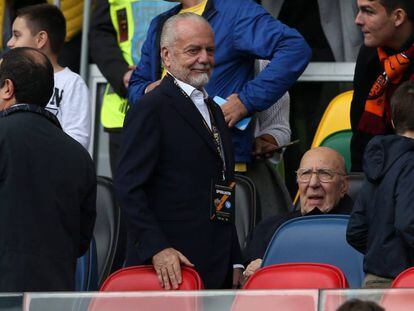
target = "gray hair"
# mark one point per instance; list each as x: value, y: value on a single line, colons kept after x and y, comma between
x: 169, y: 31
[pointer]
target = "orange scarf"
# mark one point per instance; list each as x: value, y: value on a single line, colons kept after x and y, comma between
x: 376, y: 117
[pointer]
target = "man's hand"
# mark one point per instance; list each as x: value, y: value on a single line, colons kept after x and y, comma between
x: 264, y: 146
x: 167, y: 265
x: 152, y: 86
x: 251, y: 268
x: 237, y: 278
x: 233, y: 110
x: 127, y: 75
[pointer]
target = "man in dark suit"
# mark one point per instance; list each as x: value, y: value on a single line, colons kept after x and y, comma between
x: 166, y: 194
x: 47, y: 182
x: 323, y: 186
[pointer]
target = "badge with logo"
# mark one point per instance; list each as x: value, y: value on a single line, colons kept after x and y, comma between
x: 222, y: 202
x: 121, y: 16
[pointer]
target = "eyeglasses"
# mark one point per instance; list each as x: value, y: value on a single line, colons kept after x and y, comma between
x: 324, y: 175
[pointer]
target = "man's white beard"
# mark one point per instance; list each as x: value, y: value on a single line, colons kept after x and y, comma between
x: 199, y: 80
x: 184, y: 74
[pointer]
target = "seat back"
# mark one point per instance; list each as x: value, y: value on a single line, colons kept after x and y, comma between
x: 341, y: 142
x: 293, y: 300
x: 335, y: 118
x: 142, y: 278
x: 106, y: 229
x: 246, y: 207
x: 297, y: 275
x: 356, y: 181
x: 398, y: 300
x: 82, y: 272
x: 318, y: 239
x: 94, y: 267
x: 404, y: 279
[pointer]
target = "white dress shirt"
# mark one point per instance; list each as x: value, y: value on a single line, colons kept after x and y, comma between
x: 198, y: 98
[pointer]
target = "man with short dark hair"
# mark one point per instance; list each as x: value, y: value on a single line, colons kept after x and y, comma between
x: 43, y: 27
x: 47, y: 182
x: 178, y: 211
x: 382, y: 219
x: 384, y: 62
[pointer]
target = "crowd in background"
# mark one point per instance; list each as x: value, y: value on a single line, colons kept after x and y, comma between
x: 252, y: 67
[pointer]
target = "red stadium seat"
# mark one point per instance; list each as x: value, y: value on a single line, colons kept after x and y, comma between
x: 404, y: 279
x: 141, y: 278
x: 300, y: 300
x: 297, y: 275
x: 400, y: 300
x: 290, y: 276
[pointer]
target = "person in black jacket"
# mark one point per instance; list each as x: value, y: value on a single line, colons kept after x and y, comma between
x: 384, y: 62
x: 47, y: 182
x: 382, y: 220
x: 322, y: 187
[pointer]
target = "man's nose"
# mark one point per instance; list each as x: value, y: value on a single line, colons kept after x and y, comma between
x: 358, y: 19
x: 10, y: 43
x: 314, y: 181
x: 203, y: 57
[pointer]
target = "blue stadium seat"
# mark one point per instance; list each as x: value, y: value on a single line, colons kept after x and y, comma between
x: 83, y: 265
x: 319, y: 239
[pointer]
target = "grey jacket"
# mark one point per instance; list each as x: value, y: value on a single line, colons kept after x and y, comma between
x: 337, y: 20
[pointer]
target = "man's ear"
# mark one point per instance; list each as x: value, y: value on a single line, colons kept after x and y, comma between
x: 344, y: 186
x: 7, y: 91
x: 42, y: 39
x: 166, y: 57
x: 400, y: 16
x: 7, y: 98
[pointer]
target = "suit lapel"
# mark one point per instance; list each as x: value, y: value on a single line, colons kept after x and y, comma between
x: 186, y: 108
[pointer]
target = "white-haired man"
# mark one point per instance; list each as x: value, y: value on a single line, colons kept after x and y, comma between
x: 168, y: 197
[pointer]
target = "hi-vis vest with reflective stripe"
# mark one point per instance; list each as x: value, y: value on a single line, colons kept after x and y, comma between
x: 131, y: 19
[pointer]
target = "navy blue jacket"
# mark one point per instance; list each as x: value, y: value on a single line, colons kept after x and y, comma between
x: 47, y: 200
x: 382, y: 220
x: 244, y: 31
x: 163, y: 189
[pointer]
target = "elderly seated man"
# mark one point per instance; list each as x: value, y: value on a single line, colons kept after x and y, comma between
x: 323, y: 185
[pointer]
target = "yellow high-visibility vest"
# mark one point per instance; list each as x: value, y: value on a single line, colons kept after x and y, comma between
x: 131, y: 19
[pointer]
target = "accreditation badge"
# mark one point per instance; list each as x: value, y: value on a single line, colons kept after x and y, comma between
x: 222, y: 202
x: 122, y: 19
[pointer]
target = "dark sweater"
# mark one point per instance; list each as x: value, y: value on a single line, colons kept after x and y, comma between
x: 382, y: 221
x: 260, y: 237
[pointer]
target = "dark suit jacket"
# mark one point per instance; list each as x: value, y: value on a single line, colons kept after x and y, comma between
x: 47, y: 204
x: 168, y: 162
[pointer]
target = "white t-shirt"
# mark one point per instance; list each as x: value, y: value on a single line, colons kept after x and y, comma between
x: 70, y: 103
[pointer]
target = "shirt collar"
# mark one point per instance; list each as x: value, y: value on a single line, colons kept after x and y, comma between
x: 189, y: 89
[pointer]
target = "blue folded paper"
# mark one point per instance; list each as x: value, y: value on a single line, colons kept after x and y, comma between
x: 243, y: 123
